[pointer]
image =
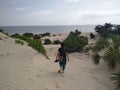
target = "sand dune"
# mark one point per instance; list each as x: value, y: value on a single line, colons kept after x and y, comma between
x: 22, y: 68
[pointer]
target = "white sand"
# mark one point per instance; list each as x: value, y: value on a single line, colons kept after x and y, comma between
x: 22, y: 68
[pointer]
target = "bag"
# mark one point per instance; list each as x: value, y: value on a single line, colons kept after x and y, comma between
x: 60, y: 58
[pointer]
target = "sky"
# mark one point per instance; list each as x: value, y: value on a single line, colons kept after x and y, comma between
x: 59, y: 12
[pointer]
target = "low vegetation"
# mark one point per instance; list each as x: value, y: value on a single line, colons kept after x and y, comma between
x: 45, y: 34
x: 92, y: 36
x: 101, y: 44
x: 36, y: 44
x: 47, y: 41
x: 110, y: 33
x: 29, y: 35
x: 56, y: 42
x: 75, y: 43
x: 19, y: 42
x: 96, y: 58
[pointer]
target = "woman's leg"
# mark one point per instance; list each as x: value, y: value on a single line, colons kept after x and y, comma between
x: 64, y: 66
x: 61, y: 67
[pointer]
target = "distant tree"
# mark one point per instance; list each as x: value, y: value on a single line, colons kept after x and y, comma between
x: 116, y: 29
x: 104, y: 30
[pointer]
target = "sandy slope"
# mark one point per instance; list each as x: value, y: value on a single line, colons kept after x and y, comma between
x: 22, y: 68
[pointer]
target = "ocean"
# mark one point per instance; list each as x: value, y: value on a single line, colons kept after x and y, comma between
x: 43, y: 29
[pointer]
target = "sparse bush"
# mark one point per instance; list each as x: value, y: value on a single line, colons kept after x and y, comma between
x: 19, y: 42
x: 47, y: 41
x: 88, y: 48
x: 116, y: 79
x: 45, y: 34
x: 77, y: 32
x: 56, y: 42
x: 112, y: 55
x: 92, y: 35
x: 112, y: 58
x: 74, y: 43
x: 116, y: 41
x: 35, y: 44
x: 30, y: 35
x: 54, y: 34
x: 16, y: 36
x: 101, y: 44
x: 96, y: 58
x: 36, y: 36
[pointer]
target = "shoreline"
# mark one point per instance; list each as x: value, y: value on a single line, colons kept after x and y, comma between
x: 44, y: 29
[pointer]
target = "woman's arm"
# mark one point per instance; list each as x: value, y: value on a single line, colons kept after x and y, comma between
x: 57, y: 55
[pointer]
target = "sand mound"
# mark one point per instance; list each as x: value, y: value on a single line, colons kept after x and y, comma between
x: 22, y: 68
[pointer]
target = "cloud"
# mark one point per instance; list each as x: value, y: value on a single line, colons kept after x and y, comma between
x: 107, y: 2
x: 71, y: 1
x: 22, y: 8
x: 42, y: 13
x: 100, y: 15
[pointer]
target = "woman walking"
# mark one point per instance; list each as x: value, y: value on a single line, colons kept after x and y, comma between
x: 62, y: 57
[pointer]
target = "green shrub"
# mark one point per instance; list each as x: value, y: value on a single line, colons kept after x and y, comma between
x: 56, y: 42
x: 92, y: 35
x: 36, y: 36
x: 112, y: 58
x: 101, y: 44
x: 19, y: 42
x: 88, y: 48
x: 96, y: 58
x: 16, y: 36
x: 116, y: 41
x: 30, y: 35
x: 74, y: 43
x: 77, y: 32
x: 45, y: 34
x: 35, y: 44
x: 104, y: 30
x: 47, y: 41
x: 116, y: 79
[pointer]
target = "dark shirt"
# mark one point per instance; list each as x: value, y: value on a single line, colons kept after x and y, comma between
x: 62, y: 51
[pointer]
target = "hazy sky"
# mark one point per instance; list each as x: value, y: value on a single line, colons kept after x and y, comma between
x: 59, y: 12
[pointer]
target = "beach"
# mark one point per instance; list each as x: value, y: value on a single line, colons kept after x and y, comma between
x: 23, y: 68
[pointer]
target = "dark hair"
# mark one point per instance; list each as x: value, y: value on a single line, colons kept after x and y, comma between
x: 62, y: 44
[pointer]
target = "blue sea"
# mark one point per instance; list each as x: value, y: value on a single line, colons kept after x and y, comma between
x: 43, y: 29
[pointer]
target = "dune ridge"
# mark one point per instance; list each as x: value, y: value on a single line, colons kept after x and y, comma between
x: 22, y: 68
